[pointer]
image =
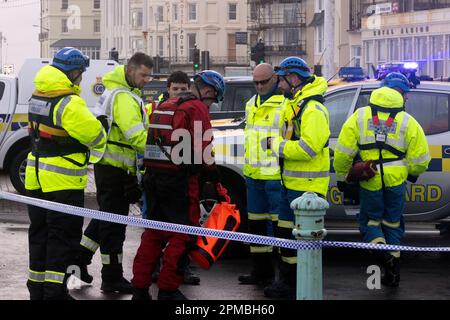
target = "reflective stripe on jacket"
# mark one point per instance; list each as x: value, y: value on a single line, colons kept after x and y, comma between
x: 57, y: 173
x: 306, y: 158
x: 406, y: 135
x: 262, y: 121
x: 128, y: 134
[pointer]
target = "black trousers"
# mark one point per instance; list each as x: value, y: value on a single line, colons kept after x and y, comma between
x: 108, y: 236
x: 53, y: 239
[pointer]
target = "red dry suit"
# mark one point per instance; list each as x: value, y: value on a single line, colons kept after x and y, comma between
x: 172, y: 184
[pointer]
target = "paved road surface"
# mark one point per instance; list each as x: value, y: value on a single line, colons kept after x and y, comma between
x: 424, y: 276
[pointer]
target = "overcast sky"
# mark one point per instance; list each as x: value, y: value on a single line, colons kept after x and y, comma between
x: 16, y: 20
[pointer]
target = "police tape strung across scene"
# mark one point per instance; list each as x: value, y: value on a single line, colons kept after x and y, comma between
x: 227, y: 235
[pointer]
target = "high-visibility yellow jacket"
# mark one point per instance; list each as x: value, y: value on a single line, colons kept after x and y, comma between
x: 73, y: 115
x: 406, y: 135
x: 304, y: 144
x: 262, y: 121
x: 128, y: 134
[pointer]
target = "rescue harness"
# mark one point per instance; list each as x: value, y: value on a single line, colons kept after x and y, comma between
x: 296, y: 125
x: 159, y: 146
x: 49, y: 139
x: 381, y: 133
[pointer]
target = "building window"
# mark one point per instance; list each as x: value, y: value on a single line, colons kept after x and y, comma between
x: 175, y: 12
x: 136, y: 19
x: 232, y: 11
x: 368, y: 47
x: 97, y: 25
x: 407, y: 48
x: 64, y: 27
x: 231, y: 47
x: 137, y: 44
x: 291, y: 35
x: 96, y: 4
x: 437, y: 50
x: 393, y: 50
x: 319, y: 39
x: 192, y: 42
x: 64, y: 4
x: 160, y: 40
x: 381, y: 50
x: 160, y: 14
x: 192, y: 11
x: 253, y: 11
x: 356, y: 55
x: 422, y: 48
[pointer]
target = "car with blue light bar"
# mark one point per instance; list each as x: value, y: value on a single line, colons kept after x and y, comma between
x: 427, y: 201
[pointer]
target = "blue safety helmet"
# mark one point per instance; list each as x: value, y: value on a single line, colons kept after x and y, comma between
x: 68, y: 59
x: 293, y: 65
x: 213, y: 79
x: 397, y: 80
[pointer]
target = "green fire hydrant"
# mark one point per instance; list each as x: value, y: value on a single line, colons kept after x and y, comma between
x: 309, y: 210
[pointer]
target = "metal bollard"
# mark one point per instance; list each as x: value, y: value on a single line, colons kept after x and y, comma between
x: 309, y: 212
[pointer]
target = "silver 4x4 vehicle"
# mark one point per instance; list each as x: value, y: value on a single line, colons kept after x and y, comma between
x: 427, y: 201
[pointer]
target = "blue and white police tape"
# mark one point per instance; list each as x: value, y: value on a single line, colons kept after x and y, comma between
x: 198, y: 231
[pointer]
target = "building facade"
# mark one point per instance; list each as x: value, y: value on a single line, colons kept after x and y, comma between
x: 74, y: 23
x: 282, y: 26
x: 401, y: 31
x: 172, y: 29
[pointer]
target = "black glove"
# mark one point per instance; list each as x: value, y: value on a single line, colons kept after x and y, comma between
x: 412, y: 179
x: 209, y: 191
x: 131, y: 190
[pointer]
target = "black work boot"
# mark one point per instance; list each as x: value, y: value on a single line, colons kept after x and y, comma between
x: 280, y: 290
x: 190, y: 278
x: 36, y: 290
x: 285, y: 287
x: 121, y: 286
x: 262, y: 271
x: 141, y: 294
x: 391, y: 276
x: 84, y: 274
x: 171, y: 295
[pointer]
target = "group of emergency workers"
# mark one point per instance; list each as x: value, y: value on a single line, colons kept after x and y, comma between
x: 286, y: 154
x: 66, y: 136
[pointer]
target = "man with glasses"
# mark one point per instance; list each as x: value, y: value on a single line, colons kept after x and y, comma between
x: 115, y: 173
x: 261, y: 170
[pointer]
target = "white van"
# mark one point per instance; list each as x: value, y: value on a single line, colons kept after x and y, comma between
x: 14, y: 95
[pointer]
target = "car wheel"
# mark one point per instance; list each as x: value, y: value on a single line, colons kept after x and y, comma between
x: 17, y: 170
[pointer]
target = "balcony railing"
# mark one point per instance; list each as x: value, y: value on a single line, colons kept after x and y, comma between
x: 281, y: 49
x: 230, y: 60
x: 277, y: 22
x: 240, y: 60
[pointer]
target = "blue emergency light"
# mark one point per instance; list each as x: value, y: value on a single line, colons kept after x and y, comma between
x: 409, y: 69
